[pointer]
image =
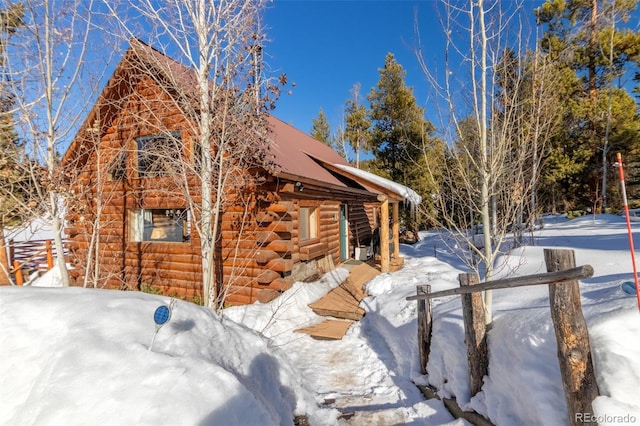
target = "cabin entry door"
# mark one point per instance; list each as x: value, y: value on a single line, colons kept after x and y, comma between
x: 344, y: 233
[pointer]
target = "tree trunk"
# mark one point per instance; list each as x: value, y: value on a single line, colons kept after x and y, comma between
x: 486, y: 176
x: 5, y: 279
x: 593, y: 40
x: 56, y: 224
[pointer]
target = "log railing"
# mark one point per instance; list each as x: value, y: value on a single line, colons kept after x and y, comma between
x: 574, y: 353
x: 33, y: 255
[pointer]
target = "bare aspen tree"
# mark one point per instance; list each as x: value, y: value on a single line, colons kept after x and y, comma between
x: 357, y: 123
x: 339, y: 140
x: 48, y: 61
x: 219, y: 44
x: 89, y: 200
x: 500, y: 113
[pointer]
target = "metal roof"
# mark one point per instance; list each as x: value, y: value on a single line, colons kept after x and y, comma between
x: 294, y: 152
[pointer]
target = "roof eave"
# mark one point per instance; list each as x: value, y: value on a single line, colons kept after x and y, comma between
x: 393, y: 196
x: 332, y: 187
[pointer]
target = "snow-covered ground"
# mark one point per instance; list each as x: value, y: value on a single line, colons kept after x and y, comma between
x: 80, y: 356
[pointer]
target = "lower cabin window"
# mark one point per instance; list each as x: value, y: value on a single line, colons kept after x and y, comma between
x: 308, y: 223
x: 159, y: 225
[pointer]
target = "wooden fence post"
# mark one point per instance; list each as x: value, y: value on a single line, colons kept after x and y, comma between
x: 424, y: 327
x: 474, y: 333
x: 18, y: 272
x: 574, y: 354
x: 49, y: 254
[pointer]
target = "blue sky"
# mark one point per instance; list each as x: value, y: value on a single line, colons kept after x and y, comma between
x: 326, y: 46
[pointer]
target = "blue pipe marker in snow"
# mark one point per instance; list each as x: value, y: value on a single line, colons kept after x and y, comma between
x: 161, y: 316
x: 629, y: 288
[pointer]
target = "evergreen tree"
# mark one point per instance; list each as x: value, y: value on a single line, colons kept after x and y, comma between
x: 10, y: 20
x: 398, y: 123
x: 320, y: 129
x: 12, y: 192
x: 357, y: 124
x: 588, y: 38
x: 11, y: 175
x: 401, y: 138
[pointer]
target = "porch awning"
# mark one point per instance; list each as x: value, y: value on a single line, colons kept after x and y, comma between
x: 407, y: 194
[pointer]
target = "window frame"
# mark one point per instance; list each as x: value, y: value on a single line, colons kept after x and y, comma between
x: 312, y: 218
x: 142, y: 225
x: 149, y: 158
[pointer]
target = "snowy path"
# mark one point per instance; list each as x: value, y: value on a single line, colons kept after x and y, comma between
x: 359, y: 374
x: 355, y: 374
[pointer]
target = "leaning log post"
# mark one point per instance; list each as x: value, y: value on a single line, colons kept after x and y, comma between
x: 574, y: 354
x: 49, y: 255
x: 474, y: 333
x: 424, y: 327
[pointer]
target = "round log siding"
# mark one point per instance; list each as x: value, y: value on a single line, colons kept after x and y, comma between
x: 260, y: 243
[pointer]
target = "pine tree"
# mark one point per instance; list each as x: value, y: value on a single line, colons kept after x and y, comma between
x: 589, y: 39
x: 12, y: 193
x: 320, y: 129
x: 401, y: 138
x: 398, y: 122
x: 10, y: 21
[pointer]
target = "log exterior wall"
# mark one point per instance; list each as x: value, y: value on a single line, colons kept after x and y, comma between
x: 98, y: 225
x: 260, y: 244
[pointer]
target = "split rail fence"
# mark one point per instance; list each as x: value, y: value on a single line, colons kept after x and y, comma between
x: 574, y: 353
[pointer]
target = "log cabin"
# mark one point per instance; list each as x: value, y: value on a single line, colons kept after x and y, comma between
x: 129, y: 227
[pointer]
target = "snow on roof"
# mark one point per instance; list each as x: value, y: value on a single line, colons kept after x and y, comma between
x: 405, y: 192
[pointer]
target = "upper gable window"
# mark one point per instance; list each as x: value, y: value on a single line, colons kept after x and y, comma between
x: 157, y: 154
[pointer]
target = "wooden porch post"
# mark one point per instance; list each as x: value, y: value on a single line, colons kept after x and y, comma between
x: 384, y: 233
x: 396, y: 232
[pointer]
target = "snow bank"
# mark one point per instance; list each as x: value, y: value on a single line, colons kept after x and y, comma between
x: 79, y: 356
x: 76, y: 356
x: 524, y: 385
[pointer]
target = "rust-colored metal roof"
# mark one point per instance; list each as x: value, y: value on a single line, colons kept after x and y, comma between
x: 294, y: 152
